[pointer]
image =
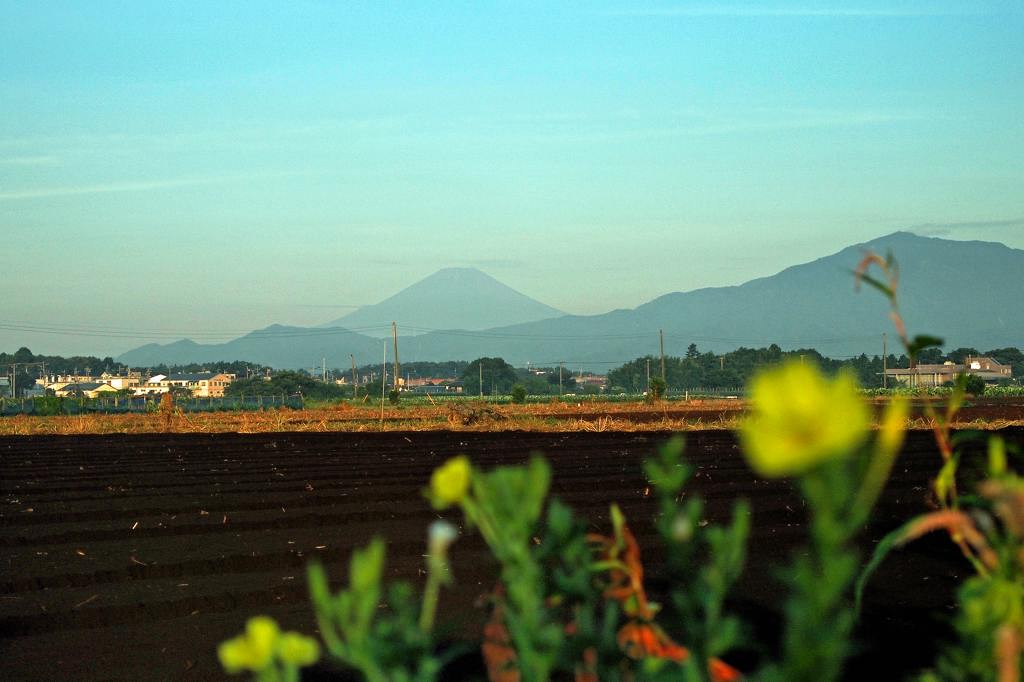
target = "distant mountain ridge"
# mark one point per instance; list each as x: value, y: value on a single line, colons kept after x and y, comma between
x: 451, y: 298
x: 277, y: 346
x: 968, y: 292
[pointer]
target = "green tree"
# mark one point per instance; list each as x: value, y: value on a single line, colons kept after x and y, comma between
x: 632, y: 376
x: 975, y: 385
x: 958, y: 355
x: 518, y: 394
x: 534, y: 385
x: 1009, y: 356
x: 287, y: 383
x: 931, y: 356
x: 560, y: 380
x: 498, y: 377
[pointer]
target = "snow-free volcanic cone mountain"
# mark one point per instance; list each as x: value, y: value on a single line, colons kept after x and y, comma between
x: 452, y: 298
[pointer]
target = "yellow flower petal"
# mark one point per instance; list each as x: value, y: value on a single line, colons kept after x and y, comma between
x: 254, y: 650
x: 801, y: 418
x: 235, y: 655
x: 262, y: 633
x: 298, y: 650
x: 894, y: 426
x: 450, y: 483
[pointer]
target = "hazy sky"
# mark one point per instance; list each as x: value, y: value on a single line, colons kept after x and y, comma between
x: 179, y: 168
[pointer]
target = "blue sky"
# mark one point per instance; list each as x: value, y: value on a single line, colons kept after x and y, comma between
x: 217, y: 167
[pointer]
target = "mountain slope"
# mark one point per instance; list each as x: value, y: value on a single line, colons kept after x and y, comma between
x: 452, y: 298
x: 970, y: 293
x: 277, y: 346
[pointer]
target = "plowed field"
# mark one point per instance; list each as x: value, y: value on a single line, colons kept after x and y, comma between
x: 132, y: 556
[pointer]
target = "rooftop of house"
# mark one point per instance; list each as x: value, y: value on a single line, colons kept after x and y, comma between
x: 191, y: 376
x: 976, y: 364
x: 944, y: 368
x: 984, y: 362
x: 85, y: 386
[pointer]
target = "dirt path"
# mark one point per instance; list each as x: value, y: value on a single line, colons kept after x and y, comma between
x: 132, y: 556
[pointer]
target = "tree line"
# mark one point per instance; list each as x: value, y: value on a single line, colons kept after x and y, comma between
x: 695, y: 370
x: 698, y: 370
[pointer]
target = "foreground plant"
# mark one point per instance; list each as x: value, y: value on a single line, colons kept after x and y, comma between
x: 572, y: 602
x: 505, y: 505
x: 702, y: 564
x: 569, y: 602
x: 988, y: 528
x: 807, y: 426
x: 267, y: 653
x: 391, y: 644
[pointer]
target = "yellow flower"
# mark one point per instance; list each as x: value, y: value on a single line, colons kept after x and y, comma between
x: 298, y: 650
x: 252, y: 651
x: 801, y: 418
x: 450, y: 483
x: 893, y: 427
x: 235, y: 655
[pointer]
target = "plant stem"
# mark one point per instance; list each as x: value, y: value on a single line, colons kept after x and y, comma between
x: 430, y: 595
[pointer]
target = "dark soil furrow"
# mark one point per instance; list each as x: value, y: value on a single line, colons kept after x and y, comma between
x: 144, y: 614
x: 128, y: 592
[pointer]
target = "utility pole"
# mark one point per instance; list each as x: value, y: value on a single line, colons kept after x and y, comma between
x: 661, y: 338
x: 648, y: 374
x: 560, y: 365
x: 885, y: 360
x: 394, y: 332
x: 323, y: 369
x: 721, y: 362
x: 354, y: 385
x: 13, y: 372
x: 383, y: 384
x: 480, y: 366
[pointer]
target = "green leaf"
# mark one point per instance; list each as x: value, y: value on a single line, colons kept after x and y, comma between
x: 877, y: 284
x: 922, y: 341
x: 366, y: 566
x: 538, y: 474
x: 667, y: 472
x: 996, y: 456
x: 618, y: 521
x: 560, y: 521
x: 319, y: 591
x: 727, y: 636
x: 946, y: 479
